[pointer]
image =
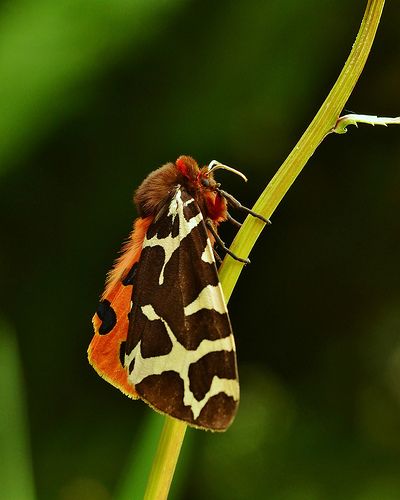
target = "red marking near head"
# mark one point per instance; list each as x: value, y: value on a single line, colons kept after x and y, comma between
x: 188, y: 167
x: 216, y: 206
x: 181, y: 164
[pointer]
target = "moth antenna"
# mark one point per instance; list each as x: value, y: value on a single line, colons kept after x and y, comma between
x: 215, y: 165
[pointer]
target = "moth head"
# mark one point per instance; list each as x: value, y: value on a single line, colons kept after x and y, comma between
x: 197, y: 178
x: 202, y: 178
x: 188, y: 167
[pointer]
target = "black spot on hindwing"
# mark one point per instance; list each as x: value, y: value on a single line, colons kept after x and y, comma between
x: 129, y: 278
x: 107, y: 316
x: 122, y: 353
x: 131, y: 365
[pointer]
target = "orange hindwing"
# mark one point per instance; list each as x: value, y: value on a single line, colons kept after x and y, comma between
x: 111, y: 320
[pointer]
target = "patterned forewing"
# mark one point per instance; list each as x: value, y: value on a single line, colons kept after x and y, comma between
x: 180, y: 351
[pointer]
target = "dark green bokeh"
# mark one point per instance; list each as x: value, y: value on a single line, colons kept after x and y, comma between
x: 93, y: 96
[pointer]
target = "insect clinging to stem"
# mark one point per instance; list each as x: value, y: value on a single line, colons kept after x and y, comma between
x: 162, y: 330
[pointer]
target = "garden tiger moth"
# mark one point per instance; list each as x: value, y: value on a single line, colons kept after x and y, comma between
x: 162, y: 330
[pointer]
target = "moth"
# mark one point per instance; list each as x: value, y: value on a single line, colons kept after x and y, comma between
x: 162, y: 330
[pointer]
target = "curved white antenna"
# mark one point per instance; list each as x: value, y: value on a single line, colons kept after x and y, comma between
x: 215, y: 165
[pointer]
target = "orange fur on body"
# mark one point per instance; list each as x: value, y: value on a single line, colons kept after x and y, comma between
x: 130, y: 254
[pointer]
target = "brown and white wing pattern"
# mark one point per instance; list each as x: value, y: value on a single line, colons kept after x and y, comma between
x: 180, y: 351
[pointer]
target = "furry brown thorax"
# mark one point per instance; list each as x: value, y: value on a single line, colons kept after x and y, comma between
x: 154, y: 191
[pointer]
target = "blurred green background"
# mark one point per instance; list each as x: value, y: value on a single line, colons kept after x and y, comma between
x: 96, y: 94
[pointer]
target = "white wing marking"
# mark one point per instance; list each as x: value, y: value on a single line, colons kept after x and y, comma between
x: 169, y: 244
x: 207, y: 255
x: 179, y: 360
x: 209, y: 298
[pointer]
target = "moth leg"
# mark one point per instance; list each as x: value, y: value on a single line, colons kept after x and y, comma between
x: 236, y: 204
x: 211, y: 227
x: 232, y: 220
x: 217, y: 256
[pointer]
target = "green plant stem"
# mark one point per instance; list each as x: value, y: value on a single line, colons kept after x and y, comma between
x: 319, y: 128
x: 173, y: 433
x: 165, y: 460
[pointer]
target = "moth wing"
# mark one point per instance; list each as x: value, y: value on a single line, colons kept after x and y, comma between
x: 180, y: 350
x: 106, y: 350
x: 111, y: 322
